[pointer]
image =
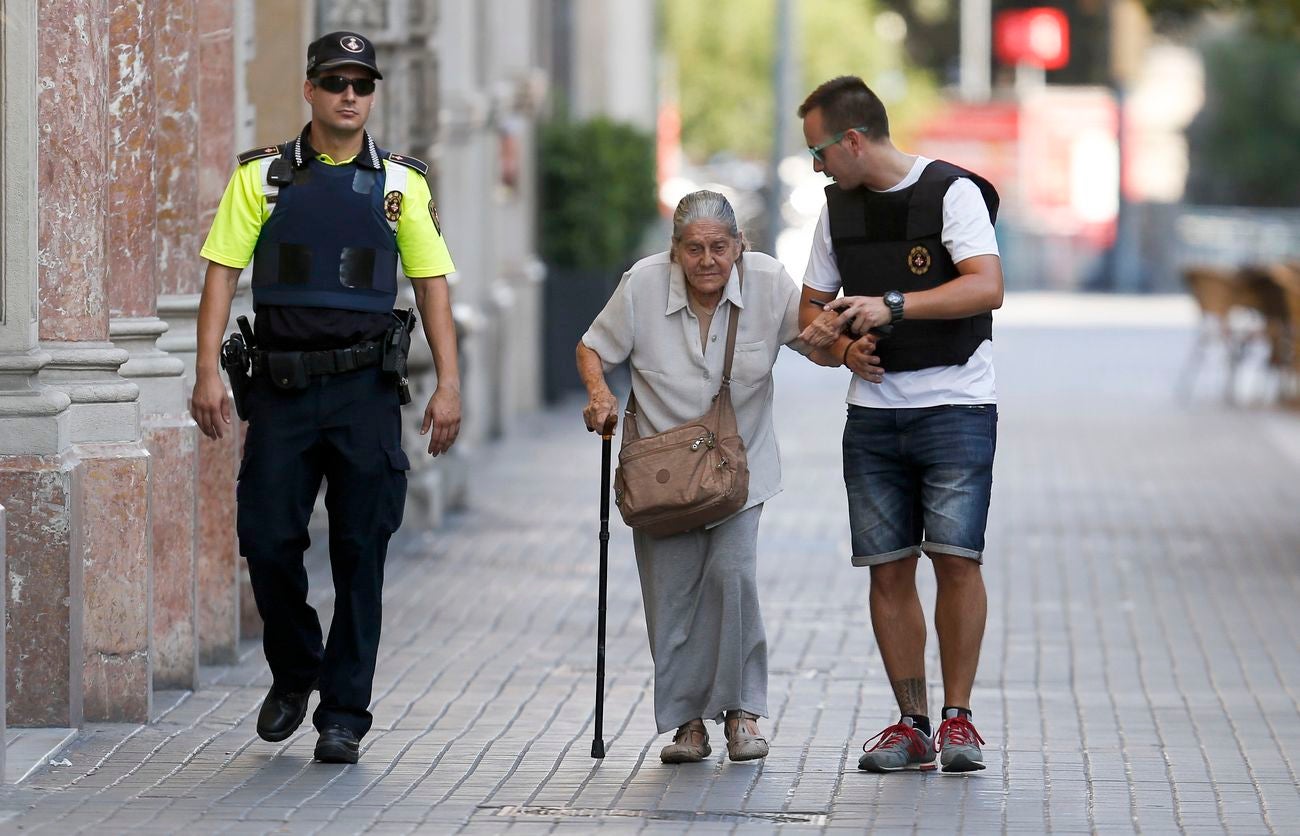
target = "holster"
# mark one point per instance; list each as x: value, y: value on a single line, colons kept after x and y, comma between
x: 236, y: 361
x: 397, y: 347
x: 397, y: 344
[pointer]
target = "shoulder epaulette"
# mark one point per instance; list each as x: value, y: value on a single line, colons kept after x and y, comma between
x: 410, y: 162
x: 258, y: 153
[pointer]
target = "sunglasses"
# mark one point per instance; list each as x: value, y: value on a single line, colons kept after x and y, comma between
x: 339, y: 83
x: 817, y: 150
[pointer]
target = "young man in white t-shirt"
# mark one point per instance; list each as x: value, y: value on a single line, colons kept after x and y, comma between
x: 910, y: 241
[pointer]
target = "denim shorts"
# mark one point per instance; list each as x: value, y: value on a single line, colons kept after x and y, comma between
x: 919, y: 480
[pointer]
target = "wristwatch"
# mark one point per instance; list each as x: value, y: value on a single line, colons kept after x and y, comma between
x: 894, y: 300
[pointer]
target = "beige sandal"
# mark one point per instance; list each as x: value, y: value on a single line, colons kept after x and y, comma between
x: 742, y: 743
x: 690, y: 744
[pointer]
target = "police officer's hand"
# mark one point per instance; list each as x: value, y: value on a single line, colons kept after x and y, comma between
x: 209, y: 404
x: 601, y: 413
x: 442, y: 416
x: 862, y: 360
x: 822, y: 331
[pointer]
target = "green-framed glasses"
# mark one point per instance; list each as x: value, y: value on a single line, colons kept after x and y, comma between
x: 816, y: 150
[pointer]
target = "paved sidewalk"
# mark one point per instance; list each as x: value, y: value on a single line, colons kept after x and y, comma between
x: 1141, y: 669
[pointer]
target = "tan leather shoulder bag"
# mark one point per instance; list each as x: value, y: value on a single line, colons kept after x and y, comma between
x: 689, y: 475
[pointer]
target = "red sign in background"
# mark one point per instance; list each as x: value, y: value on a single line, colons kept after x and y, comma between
x: 1039, y: 37
x: 1051, y: 155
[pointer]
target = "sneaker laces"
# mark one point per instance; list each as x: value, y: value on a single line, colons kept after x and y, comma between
x: 898, y: 733
x: 959, y: 731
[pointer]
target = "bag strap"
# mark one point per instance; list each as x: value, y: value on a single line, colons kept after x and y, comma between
x: 733, y: 325
x: 732, y: 328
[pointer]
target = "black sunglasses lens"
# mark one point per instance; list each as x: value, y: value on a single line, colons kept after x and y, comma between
x: 338, y: 83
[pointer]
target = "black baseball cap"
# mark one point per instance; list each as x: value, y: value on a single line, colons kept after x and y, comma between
x: 341, y: 49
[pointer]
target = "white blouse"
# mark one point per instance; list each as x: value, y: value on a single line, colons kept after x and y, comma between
x: 649, y: 324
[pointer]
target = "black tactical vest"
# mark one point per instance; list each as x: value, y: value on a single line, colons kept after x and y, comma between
x: 328, y: 243
x: 893, y: 241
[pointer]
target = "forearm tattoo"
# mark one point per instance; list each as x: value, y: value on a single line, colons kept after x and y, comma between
x: 910, y: 694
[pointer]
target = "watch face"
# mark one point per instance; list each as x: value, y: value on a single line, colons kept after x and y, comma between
x: 894, y: 300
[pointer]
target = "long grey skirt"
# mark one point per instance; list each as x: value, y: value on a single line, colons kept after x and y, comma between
x: 706, y: 631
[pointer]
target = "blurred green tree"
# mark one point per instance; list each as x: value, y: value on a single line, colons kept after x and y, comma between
x: 597, y: 182
x: 1274, y: 18
x: 1244, y: 145
x: 723, y: 53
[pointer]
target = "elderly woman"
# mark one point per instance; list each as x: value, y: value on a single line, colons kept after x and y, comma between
x: 668, y: 320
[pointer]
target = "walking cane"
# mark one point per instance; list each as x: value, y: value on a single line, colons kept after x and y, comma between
x: 598, y: 741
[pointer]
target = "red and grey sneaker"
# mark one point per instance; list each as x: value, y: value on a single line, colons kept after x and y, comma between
x: 958, y: 743
x: 900, y: 746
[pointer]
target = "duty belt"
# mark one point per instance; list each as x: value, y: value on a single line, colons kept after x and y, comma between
x: 293, y: 369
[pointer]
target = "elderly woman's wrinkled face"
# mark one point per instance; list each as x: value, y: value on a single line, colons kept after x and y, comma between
x: 706, y: 252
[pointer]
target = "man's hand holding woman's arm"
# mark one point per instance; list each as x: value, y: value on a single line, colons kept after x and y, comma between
x: 824, y: 331
x: 977, y: 289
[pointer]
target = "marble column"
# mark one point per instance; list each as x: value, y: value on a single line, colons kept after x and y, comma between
x: 517, y: 90
x: 195, y: 138
x: 463, y: 167
x: 42, y: 681
x: 109, y: 538
x: 219, y: 564
x: 131, y: 288
x: 2, y: 644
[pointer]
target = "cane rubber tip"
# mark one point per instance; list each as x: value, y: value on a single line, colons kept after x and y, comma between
x: 598, y: 748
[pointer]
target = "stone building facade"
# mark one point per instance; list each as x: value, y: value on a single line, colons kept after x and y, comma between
x: 121, y: 119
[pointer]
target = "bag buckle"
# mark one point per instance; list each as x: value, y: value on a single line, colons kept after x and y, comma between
x: 708, y: 439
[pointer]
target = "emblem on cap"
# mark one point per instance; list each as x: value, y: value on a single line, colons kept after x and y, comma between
x: 918, y: 260
x: 352, y: 43
x: 393, y: 205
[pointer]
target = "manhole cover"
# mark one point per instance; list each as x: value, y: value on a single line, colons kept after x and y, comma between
x: 658, y: 815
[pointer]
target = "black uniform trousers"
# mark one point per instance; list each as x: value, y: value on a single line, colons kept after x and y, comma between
x: 345, y: 428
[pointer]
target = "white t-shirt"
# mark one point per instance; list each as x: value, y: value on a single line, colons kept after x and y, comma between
x: 967, y: 232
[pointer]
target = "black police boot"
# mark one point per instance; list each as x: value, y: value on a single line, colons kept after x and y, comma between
x: 282, y: 713
x: 337, y: 745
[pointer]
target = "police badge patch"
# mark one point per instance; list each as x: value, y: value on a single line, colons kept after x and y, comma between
x: 393, y: 205
x: 433, y: 213
x: 918, y: 260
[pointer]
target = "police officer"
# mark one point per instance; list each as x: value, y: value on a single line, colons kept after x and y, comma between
x: 324, y: 219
